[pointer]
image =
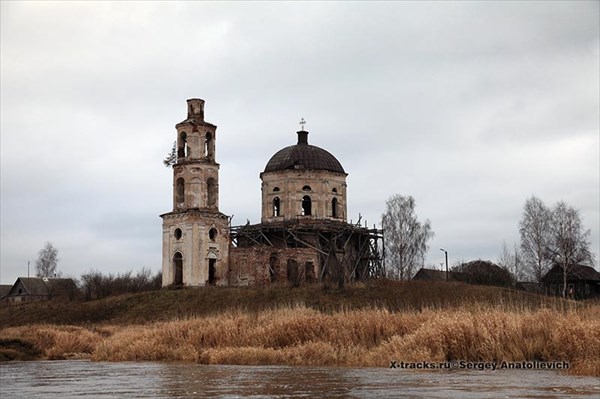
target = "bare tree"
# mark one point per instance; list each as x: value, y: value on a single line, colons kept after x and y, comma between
x: 405, y: 237
x: 535, y: 231
x: 95, y: 285
x: 569, y: 243
x: 511, y: 261
x: 45, y: 265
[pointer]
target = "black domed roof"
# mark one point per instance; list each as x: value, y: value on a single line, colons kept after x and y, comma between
x: 303, y: 156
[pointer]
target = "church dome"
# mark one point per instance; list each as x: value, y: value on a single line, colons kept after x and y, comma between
x: 303, y: 156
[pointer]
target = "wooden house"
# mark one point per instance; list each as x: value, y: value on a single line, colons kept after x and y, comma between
x: 582, y: 281
x: 27, y: 289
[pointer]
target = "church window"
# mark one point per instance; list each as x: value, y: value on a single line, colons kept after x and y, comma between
x: 177, y: 233
x: 276, y: 204
x: 276, y: 189
x: 334, y: 190
x: 306, y: 188
x: 212, y: 192
x: 306, y: 206
x: 182, y: 150
x: 180, y: 191
x: 334, y: 205
x: 212, y: 234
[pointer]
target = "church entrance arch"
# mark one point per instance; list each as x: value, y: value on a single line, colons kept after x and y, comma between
x: 212, y: 268
x: 178, y: 268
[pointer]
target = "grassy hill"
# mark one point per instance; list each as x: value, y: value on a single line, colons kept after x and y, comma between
x: 168, y: 304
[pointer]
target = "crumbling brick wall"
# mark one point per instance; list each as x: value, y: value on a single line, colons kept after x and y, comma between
x: 262, y: 265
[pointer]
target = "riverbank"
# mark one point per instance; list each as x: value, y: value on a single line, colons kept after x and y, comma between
x: 458, y: 323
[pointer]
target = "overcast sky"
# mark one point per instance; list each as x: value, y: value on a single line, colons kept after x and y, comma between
x: 470, y: 107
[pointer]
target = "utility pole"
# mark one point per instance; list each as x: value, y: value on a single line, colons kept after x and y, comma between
x: 446, y: 252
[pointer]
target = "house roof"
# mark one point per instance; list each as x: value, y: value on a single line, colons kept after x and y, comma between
x: 41, y: 286
x: 34, y: 285
x: 438, y: 275
x: 576, y: 272
x: 430, y: 274
x: 581, y: 272
x: 529, y: 286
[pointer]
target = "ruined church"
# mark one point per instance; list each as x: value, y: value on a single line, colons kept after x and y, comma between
x: 303, y: 236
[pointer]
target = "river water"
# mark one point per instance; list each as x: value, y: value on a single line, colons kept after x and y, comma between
x: 81, y: 378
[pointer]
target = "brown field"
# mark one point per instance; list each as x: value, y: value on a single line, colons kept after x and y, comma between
x: 455, y: 322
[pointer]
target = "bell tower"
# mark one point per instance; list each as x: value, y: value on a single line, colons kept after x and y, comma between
x: 195, y: 233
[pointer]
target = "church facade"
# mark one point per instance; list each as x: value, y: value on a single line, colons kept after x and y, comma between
x: 303, y: 236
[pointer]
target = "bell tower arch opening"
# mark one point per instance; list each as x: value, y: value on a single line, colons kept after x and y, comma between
x: 182, y: 148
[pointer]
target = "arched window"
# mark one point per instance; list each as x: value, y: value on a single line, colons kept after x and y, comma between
x: 334, y: 205
x: 212, y: 234
x: 182, y: 149
x: 306, y: 188
x: 334, y: 190
x: 211, y: 186
x: 180, y: 191
x: 306, y: 206
x: 177, y: 233
x: 276, y: 206
x: 275, y: 189
x: 178, y: 268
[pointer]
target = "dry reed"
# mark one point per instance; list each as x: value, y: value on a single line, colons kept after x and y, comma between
x: 301, y: 336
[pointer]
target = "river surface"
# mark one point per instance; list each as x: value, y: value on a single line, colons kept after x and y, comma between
x: 81, y: 378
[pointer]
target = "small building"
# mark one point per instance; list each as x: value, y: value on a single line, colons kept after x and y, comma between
x: 528, y: 286
x: 29, y: 289
x: 582, y: 281
x: 437, y: 275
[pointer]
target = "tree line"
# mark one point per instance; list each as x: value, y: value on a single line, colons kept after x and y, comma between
x: 94, y: 284
x: 548, y: 237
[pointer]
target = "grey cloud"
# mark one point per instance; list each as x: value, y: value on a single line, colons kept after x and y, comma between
x: 469, y: 107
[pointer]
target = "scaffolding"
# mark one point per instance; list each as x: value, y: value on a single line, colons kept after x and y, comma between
x: 347, y: 251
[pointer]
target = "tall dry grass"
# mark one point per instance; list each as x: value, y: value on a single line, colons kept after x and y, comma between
x: 369, y: 337
x: 59, y: 342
